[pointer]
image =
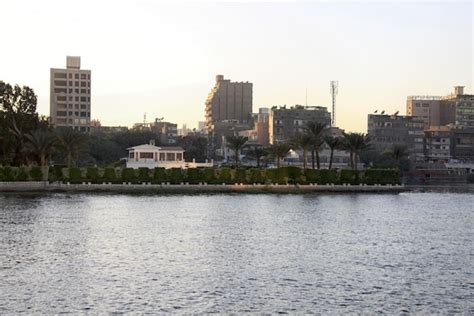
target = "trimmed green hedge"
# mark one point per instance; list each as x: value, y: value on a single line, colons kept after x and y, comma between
x: 283, y: 175
x: 225, y: 175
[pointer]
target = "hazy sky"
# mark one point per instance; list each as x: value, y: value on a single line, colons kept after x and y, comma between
x: 162, y: 58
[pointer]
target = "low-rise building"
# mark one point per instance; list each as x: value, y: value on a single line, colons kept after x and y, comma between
x: 462, y: 144
x: 151, y: 156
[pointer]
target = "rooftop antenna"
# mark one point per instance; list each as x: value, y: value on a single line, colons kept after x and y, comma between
x: 306, y: 97
x: 334, y: 91
x: 144, y: 119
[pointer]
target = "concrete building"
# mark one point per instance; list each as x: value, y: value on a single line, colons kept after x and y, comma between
x: 286, y: 123
x: 151, y: 156
x: 385, y: 131
x: 437, y: 144
x: 98, y: 128
x: 228, y: 101
x: 464, y: 105
x: 462, y: 144
x: 70, y: 96
x: 456, y: 108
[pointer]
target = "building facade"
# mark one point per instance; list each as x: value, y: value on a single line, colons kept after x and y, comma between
x: 70, y: 96
x: 437, y: 144
x: 385, y: 131
x: 286, y: 123
x: 462, y: 144
x: 228, y: 101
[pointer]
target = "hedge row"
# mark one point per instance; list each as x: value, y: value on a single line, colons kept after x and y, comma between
x: 284, y: 175
x: 20, y: 174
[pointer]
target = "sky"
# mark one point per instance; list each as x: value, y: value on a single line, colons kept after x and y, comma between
x: 161, y: 58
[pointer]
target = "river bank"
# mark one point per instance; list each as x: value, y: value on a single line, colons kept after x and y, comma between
x: 184, y: 188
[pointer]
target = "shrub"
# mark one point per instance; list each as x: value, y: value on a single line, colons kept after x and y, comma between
x: 159, y: 175
x: 175, y: 175
x: 225, y: 175
x: 256, y: 176
x: 7, y: 174
x: 75, y: 175
x: 109, y: 175
x: 278, y: 175
x: 209, y: 175
x: 56, y: 173
x: 321, y: 176
x: 240, y: 176
x: 470, y: 178
x: 381, y: 176
x: 128, y: 175
x: 349, y: 176
x: 144, y: 175
x: 36, y: 174
x: 294, y: 174
x: 92, y: 175
x: 311, y: 176
x: 194, y: 175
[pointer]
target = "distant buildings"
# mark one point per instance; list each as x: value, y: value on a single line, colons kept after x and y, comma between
x: 285, y: 123
x: 228, y: 101
x: 70, y: 96
x: 167, y: 132
x: 385, y: 131
x: 97, y: 128
x: 437, y: 144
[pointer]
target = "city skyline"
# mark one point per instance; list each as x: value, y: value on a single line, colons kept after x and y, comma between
x: 172, y: 76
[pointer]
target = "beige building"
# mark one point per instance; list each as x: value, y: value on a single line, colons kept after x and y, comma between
x: 70, y: 96
x: 228, y: 101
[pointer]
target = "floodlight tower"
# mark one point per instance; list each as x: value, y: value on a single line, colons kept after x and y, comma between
x: 334, y: 91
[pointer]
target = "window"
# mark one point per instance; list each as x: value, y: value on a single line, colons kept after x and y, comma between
x: 83, y: 99
x: 61, y: 113
x: 61, y: 83
x: 179, y: 156
x: 131, y: 155
x: 146, y: 155
x: 83, y: 84
x: 170, y: 156
x: 83, y: 76
x: 61, y: 98
x: 83, y: 114
x: 162, y: 156
x: 76, y: 76
x: 60, y: 75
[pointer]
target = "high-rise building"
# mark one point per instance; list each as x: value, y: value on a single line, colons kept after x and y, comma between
x: 228, y: 101
x: 70, y: 96
x: 286, y: 123
x: 386, y: 131
x: 464, y: 105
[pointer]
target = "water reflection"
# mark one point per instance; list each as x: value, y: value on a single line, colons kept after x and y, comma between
x: 236, y: 253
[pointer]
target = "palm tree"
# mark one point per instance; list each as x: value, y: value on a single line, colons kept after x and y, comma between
x: 355, y: 143
x: 333, y: 143
x: 304, y: 141
x: 316, y: 130
x: 40, y: 143
x: 398, y: 153
x: 70, y: 142
x: 236, y: 143
x: 257, y: 152
x: 279, y: 151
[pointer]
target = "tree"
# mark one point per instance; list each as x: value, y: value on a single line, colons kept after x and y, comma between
x: 304, y: 141
x: 279, y: 151
x: 70, y: 142
x: 398, y: 153
x: 355, y: 143
x: 316, y: 130
x: 257, y: 152
x: 195, y: 147
x: 18, y: 117
x: 236, y: 143
x: 41, y: 143
x: 333, y: 143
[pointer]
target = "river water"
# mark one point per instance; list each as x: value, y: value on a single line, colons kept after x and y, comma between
x: 388, y: 253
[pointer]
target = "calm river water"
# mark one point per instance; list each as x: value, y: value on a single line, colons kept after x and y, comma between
x: 411, y: 252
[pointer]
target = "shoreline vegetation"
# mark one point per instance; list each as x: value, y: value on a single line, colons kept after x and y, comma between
x: 198, y: 180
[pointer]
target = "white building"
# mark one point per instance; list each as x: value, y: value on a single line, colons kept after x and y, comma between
x: 151, y: 156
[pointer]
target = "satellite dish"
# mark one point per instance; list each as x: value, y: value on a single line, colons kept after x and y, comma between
x: 383, y: 112
x: 375, y: 111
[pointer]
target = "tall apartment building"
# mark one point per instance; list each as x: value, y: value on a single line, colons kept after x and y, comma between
x: 456, y: 108
x: 286, y: 123
x: 228, y: 101
x: 70, y: 96
x: 388, y: 130
x: 464, y: 105
x: 437, y: 144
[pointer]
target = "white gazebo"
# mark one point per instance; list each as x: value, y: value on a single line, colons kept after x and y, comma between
x: 151, y: 156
